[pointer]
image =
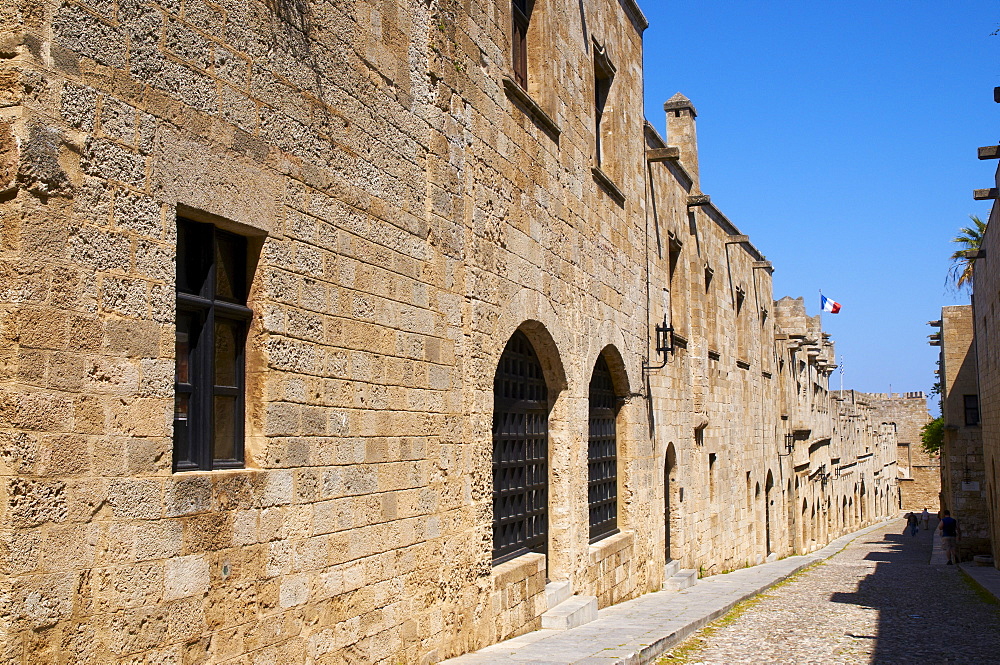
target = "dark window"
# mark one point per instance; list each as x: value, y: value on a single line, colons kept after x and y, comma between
x: 521, y: 14
x: 212, y: 320
x: 602, y: 454
x: 520, y: 453
x: 971, y: 409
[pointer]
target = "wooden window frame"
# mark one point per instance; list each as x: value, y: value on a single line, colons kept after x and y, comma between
x: 204, y: 311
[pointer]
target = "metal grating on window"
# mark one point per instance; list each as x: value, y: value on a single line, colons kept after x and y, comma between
x: 520, y: 453
x: 602, y: 455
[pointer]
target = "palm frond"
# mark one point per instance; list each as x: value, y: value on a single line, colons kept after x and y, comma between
x: 962, y: 267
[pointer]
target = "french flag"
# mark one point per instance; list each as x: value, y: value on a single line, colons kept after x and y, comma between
x: 828, y: 305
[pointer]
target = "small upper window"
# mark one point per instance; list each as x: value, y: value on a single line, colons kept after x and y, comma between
x: 971, y: 409
x: 604, y: 74
x: 521, y: 16
x: 212, y: 322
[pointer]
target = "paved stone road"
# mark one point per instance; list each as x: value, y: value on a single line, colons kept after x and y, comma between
x: 878, y: 601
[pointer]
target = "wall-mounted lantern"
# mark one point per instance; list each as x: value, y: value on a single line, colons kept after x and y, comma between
x: 664, y: 344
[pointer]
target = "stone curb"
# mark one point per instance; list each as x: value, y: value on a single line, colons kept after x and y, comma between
x: 986, y: 578
x: 530, y: 648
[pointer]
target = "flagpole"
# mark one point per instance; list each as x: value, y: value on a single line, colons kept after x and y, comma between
x: 841, y: 375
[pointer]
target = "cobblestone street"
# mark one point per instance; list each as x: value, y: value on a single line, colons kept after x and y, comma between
x: 878, y: 601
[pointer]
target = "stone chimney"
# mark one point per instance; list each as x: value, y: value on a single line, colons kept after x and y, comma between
x: 681, y: 133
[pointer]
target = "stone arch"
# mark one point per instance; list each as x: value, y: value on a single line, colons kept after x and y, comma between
x: 546, y: 349
x: 534, y: 315
x: 619, y: 370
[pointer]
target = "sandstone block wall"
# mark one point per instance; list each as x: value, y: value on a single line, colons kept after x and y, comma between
x: 919, y: 472
x: 963, y: 471
x: 406, y: 211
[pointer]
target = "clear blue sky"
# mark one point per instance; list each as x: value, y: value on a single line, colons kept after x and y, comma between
x: 841, y: 137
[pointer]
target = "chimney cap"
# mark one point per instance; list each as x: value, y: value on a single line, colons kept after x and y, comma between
x: 679, y: 103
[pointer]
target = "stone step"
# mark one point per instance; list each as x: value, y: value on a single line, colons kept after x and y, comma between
x: 571, y: 613
x: 671, y: 569
x: 558, y: 592
x: 682, y: 580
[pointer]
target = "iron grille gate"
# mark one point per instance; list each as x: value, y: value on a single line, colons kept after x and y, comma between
x: 520, y: 453
x: 602, y: 454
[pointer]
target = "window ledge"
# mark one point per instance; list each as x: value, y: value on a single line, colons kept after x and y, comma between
x: 520, y: 567
x: 518, y: 94
x: 608, y: 184
x: 609, y: 545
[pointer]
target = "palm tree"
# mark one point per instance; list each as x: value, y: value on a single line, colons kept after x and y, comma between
x: 970, y: 238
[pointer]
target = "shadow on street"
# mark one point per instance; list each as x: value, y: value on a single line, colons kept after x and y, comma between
x: 926, y: 614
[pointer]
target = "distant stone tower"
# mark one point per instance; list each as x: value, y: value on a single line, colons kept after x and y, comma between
x: 681, y: 133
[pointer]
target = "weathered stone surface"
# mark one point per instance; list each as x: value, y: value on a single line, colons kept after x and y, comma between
x: 40, y: 171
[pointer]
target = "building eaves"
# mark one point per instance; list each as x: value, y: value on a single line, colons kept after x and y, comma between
x: 654, y: 139
x: 635, y: 14
x: 728, y: 227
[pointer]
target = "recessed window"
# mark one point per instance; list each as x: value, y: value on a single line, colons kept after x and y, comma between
x: 604, y: 74
x: 520, y: 453
x: 971, y: 403
x: 521, y: 17
x: 602, y: 454
x: 212, y: 322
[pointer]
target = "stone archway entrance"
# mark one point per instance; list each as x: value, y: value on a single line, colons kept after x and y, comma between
x: 768, y: 500
x: 669, y: 501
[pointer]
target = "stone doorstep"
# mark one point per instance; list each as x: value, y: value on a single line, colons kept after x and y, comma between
x: 671, y: 569
x: 571, y: 613
x: 682, y: 580
x: 557, y: 592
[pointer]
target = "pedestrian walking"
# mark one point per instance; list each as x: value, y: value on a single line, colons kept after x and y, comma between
x: 911, y: 523
x: 925, y: 520
x: 950, y: 535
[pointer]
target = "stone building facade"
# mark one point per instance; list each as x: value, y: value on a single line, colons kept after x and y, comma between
x: 963, y: 479
x: 868, y: 449
x: 919, y: 471
x: 332, y: 332
x: 985, y: 301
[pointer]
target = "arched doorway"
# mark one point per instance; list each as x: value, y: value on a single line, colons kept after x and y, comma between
x: 862, y: 503
x: 790, y: 502
x: 520, y: 453
x: 768, y: 504
x: 602, y: 453
x: 805, y: 525
x: 670, y: 506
